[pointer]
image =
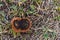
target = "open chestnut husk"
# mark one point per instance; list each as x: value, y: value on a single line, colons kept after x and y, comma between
x: 21, y: 24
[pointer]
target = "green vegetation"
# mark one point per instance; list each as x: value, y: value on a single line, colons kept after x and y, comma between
x: 46, y: 21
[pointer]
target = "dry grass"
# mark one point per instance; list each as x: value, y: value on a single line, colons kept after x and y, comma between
x: 45, y: 17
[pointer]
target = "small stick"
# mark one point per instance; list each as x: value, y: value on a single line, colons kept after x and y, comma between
x: 3, y: 32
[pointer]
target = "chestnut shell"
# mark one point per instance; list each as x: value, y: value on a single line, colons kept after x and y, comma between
x: 21, y: 24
